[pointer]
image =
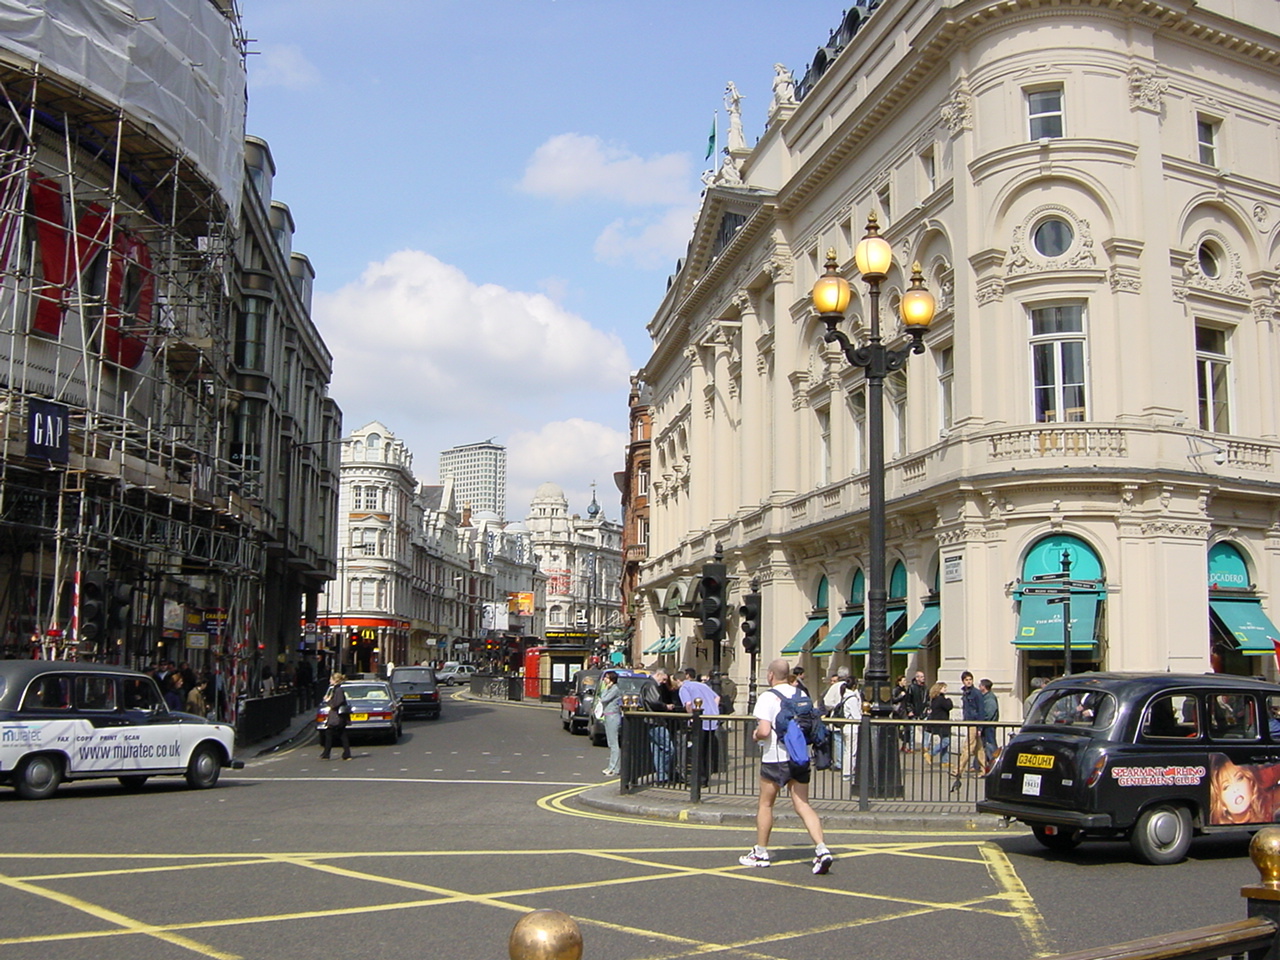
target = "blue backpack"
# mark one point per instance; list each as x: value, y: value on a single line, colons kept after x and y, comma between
x: 799, y: 726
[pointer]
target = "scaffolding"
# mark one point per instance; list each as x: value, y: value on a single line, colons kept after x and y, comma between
x: 117, y: 268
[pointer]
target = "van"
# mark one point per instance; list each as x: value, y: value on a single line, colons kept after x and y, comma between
x: 1154, y: 759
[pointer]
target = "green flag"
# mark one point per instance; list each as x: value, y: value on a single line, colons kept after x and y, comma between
x: 711, y: 140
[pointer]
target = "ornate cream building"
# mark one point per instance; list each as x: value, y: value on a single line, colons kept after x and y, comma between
x: 1092, y: 192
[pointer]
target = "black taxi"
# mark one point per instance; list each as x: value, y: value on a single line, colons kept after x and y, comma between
x: 1154, y: 758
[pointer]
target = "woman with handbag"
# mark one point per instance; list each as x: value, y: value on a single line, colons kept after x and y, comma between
x: 609, y: 703
x: 335, y: 724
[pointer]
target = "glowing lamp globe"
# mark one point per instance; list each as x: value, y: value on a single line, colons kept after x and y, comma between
x: 831, y: 292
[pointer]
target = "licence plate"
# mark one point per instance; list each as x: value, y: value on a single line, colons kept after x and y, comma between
x: 412, y: 696
x: 359, y: 717
x: 1040, y: 761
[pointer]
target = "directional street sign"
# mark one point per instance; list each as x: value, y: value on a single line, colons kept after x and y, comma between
x: 1042, y: 591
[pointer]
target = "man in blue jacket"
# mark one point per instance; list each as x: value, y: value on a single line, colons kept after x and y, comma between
x: 974, y: 756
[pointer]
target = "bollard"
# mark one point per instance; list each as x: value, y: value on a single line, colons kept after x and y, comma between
x: 1264, y: 896
x: 545, y: 935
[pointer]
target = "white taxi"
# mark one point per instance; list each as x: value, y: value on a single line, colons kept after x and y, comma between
x: 62, y: 721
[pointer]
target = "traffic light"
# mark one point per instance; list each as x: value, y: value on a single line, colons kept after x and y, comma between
x: 714, y: 576
x: 92, y: 624
x: 750, y: 613
x: 119, y: 602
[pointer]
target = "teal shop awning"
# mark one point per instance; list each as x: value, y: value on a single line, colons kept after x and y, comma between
x: 673, y: 645
x: 801, y: 640
x: 921, y: 630
x: 655, y: 646
x: 891, y: 617
x: 1244, y: 620
x: 1040, y: 623
x: 848, y: 626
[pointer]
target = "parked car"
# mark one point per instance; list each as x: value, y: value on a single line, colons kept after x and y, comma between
x: 629, y: 685
x: 63, y: 721
x: 454, y: 672
x: 575, y: 706
x: 417, y: 690
x: 1154, y: 759
x: 374, y: 709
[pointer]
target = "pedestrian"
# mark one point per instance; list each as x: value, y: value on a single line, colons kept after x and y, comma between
x: 609, y: 701
x: 335, y: 724
x: 939, y: 709
x: 653, y: 701
x: 728, y: 692
x: 174, y: 697
x: 918, y: 707
x: 797, y: 678
x: 691, y: 689
x: 306, y: 682
x: 268, y: 684
x: 850, y: 708
x: 777, y: 771
x: 898, y: 710
x: 973, y: 757
x: 195, y: 700
x: 990, y: 711
x: 831, y: 707
x: 1037, y: 684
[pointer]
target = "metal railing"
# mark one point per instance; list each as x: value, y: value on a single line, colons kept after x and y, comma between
x: 662, y: 750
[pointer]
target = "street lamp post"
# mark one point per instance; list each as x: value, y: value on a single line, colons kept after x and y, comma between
x: 831, y: 295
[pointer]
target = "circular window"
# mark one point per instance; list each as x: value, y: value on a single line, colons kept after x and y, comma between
x: 1053, y: 237
x: 1210, y: 260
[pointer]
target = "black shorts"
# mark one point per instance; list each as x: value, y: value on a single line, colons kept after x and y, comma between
x: 784, y: 772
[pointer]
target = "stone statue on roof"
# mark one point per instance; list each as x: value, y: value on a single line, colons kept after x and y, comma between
x: 784, y: 86
x: 733, y: 103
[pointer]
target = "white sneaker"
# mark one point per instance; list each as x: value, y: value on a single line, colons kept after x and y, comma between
x: 822, y: 863
x: 753, y: 859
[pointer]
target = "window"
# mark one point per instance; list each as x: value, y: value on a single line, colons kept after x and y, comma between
x: 1044, y: 111
x: 1233, y: 716
x: 1209, y: 258
x: 946, y: 380
x: 1212, y: 373
x: 96, y: 693
x: 642, y: 482
x: 929, y: 167
x: 371, y: 498
x: 642, y: 531
x: 1207, y: 140
x: 858, y: 411
x: 1175, y: 715
x: 884, y: 197
x: 1058, y: 363
x: 1052, y: 237
x: 895, y: 393
x: 824, y: 446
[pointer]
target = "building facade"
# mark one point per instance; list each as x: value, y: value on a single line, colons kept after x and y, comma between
x: 159, y: 364
x: 582, y: 561
x: 479, y: 475
x: 633, y: 485
x: 1090, y: 191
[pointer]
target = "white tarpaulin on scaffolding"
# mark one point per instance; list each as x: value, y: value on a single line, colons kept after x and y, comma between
x: 174, y: 63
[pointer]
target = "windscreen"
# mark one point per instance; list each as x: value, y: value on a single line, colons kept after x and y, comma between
x: 362, y: 691
x: 1085, y: 709
x: 413, y: 676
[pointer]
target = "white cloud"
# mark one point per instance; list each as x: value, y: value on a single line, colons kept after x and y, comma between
x: 647, y: 242
x: 573, y: 453
x: 282, y: 65
x: 441, y: 360
x: 571, y: 166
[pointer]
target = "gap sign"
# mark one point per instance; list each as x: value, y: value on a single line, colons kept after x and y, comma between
x: 48, y: 433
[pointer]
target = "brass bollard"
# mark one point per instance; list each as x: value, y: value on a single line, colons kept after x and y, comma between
x: 545, y: 935
x: 1264, y: 851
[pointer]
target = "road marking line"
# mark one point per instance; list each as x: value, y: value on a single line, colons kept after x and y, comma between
x: 128, y: 924
x: 1034, y: 932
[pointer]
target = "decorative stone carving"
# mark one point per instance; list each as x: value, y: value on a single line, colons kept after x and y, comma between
x: 780, y: 267
x: 733, y: 104
x: 1261, y: 214
x: 1230, y: 279
x: 957, y: 112
x: 1025, y: 258
x: 1124, y: 280
x: 990, y: 290
x: 1146, y: 90
x: 784, y: 86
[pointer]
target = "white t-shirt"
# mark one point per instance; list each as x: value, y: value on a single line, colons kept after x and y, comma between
x: 767, y: 707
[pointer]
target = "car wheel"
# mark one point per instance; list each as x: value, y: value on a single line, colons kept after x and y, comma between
x: 1162, y: 834
x: 37, y: 777
x: 204, y: 767
x: 1061, y: 842
x: 133, y: 781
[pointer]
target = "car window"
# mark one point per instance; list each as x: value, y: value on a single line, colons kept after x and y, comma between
x: 1172, y: 716
x: 50, y: 692
x: 412, y: 676
x: 366, y: 693
x: 1233, y: 716
x: 1273, y: 716
x: 1087, y: 709
x: 141, y: 693
x: 96, y: 693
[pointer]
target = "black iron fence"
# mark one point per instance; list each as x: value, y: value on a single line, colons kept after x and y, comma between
x: 262, y: 717
x: 874, y: 762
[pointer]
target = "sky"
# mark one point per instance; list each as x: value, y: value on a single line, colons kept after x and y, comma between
x: 493, y: 194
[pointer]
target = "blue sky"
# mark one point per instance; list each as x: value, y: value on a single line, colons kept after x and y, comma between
x: 493, y: 195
